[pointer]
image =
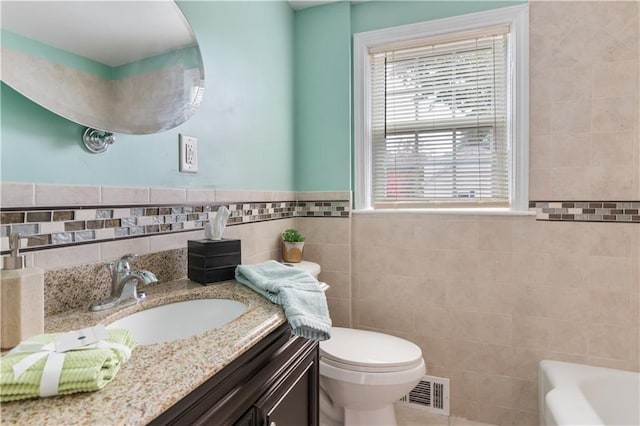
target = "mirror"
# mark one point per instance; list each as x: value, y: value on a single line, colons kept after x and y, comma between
x: 120, y: 66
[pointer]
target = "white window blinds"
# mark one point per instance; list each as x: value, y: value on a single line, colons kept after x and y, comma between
x: 439, y: 124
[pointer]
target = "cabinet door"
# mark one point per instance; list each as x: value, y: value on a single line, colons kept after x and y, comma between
x: 228, y: 397
x: 277, y: 381
x: 248, y: 418
x: 293, y: 401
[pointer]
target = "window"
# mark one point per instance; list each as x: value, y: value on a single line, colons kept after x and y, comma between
x: 441, y: 116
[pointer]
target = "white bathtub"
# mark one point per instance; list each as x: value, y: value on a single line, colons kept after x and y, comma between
x: 575, y: 394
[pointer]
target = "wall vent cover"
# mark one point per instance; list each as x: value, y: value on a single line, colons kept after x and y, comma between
x: 431, y: 394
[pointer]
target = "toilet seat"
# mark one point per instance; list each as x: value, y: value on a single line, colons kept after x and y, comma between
x: 389, y: 378
x: 368, y: 351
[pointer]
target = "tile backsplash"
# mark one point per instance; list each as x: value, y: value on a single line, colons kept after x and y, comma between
x: 78, y: 286
x: 45, y: 227
x: 71, y: 231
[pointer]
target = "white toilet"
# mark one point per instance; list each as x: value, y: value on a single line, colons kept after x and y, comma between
x: 362, y: 373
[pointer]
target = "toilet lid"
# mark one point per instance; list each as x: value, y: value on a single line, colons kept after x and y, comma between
x: 375, y: 351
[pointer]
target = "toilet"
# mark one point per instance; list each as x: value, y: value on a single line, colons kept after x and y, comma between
x: 362, y: 373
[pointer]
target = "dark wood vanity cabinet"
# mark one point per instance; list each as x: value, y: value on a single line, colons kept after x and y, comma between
x: 275, y: 383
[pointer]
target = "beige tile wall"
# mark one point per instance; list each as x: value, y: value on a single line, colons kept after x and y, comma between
x: 584, y: 101
x: 328, y: 243
x: 487, y: 297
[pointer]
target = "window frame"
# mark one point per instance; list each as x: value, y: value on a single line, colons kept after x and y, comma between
x: 517, y: 17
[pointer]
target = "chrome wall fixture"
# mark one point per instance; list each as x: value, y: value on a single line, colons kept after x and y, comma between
x: 97, y: 141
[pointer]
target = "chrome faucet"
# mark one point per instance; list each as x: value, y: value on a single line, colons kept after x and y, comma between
x: 119, y: 271
x: 124, y: 284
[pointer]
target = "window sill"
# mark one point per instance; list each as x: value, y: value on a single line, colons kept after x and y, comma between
x: 451, y: 211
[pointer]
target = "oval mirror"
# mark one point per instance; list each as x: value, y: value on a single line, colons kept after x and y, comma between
x: 120, y: 66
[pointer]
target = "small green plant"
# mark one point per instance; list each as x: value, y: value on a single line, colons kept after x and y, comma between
x: 292, y: 236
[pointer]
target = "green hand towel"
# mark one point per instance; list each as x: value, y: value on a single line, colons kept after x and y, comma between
x: 83, y: 370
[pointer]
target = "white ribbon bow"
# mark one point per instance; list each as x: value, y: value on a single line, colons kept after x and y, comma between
x: 55, y: 359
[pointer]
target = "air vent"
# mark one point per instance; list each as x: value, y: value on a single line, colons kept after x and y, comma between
x: 431, y: 394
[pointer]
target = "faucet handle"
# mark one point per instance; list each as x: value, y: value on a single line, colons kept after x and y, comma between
x: 148, y: 276
x: 128, y: 256
x: 123, y: 263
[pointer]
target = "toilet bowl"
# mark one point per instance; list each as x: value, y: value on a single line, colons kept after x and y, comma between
x: 362, y: 373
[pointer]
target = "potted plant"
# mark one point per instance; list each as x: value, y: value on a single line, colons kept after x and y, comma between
x: 292, y: 246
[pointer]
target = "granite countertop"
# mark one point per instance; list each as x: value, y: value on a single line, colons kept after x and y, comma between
x: 156, y: 376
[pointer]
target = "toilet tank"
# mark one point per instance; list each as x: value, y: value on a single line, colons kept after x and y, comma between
x: 310, y: 267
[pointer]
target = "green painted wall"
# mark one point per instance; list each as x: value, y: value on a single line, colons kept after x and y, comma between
x: 324, y: 73
x: 323, y: 98
x: 244, y: 127
x: 276, y: 114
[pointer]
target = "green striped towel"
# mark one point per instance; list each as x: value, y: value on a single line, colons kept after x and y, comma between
x: 83, y: 370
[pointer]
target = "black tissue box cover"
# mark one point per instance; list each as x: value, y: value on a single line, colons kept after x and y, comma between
x: 211, y: 261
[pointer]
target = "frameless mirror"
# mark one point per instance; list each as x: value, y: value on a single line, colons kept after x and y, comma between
x: 120, y: 66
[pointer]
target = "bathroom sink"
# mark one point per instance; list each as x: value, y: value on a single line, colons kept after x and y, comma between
x: 179, y: 320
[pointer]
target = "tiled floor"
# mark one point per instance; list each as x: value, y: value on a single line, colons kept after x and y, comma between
x: 409, y: 416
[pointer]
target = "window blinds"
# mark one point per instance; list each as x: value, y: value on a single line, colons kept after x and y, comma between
x: 439, y: 122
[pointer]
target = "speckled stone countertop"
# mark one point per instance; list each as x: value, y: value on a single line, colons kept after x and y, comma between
x: 156, y: 376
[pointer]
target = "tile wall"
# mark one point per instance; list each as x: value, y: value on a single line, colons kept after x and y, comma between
x: 487, y: 297
x: 584, y: 100
x: 73, y: 274
x: 49, y: 226
x: 74, y: 278
x: 328, y: 243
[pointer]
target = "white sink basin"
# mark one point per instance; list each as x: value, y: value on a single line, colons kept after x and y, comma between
x: 179, y: 320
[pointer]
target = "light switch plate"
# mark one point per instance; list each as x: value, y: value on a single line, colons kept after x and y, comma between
x: 188, y: 154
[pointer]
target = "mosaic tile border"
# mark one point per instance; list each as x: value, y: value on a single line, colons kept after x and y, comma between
x: 322, y: 208
x: 49, y: 227
x: 587, y: 211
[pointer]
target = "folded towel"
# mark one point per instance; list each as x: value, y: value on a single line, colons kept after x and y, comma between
x: 82, y: 370
x: 299, y: 294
